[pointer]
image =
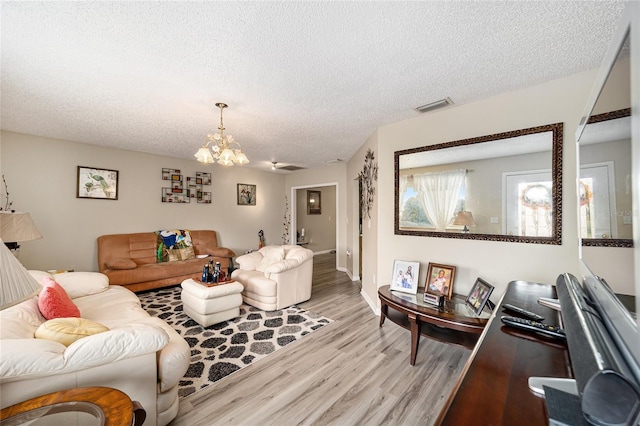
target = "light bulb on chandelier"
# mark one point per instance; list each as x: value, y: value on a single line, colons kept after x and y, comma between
x: 219, y: 147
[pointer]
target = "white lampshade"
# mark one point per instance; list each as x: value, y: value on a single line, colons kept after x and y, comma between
x: 16, y: 227
x: 16, y: 283
x: 241, y: 158
x: 204, y: 155
x: 227, y: 155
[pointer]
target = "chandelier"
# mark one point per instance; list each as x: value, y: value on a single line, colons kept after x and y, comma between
x: 219, y: 147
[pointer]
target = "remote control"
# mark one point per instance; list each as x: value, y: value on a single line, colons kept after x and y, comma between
x: 523, y: 312
x: 538, y: 327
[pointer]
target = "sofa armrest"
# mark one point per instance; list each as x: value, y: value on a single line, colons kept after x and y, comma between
x: 249, y: 261
x: 219, y: 252
x: 35, y: 358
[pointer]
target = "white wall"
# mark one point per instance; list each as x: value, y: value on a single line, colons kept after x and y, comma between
x: 561, y: 100
x: 41, y: 174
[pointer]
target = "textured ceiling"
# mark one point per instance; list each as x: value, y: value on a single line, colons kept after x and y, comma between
x: 306, y: 82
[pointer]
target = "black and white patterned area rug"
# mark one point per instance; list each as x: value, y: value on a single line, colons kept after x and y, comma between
x: 224, y: 348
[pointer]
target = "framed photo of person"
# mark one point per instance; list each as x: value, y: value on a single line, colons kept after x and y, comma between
x: 479, y: 295
x: 405, y: 276
x: 440, y: 280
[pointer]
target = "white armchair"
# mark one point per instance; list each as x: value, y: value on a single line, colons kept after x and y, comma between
x: 275, y: 276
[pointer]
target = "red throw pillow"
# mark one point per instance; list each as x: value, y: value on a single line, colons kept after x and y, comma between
x: 54, y: 302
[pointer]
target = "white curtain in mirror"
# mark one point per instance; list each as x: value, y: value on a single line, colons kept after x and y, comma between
x: 439, y: 194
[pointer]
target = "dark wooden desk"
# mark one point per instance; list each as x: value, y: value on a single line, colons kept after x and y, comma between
x: 493, y: 388
x: 455, y: 323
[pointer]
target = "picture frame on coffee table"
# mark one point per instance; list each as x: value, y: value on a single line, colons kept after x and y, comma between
x: 405, y: 276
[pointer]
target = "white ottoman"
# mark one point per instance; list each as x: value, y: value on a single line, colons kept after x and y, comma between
x: 211, y: 305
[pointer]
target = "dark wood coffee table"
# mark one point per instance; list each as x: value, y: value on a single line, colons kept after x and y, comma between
x: 455, y: 323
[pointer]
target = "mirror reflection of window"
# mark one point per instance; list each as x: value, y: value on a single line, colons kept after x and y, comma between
x: 535, y: 209
x: 432, y: 200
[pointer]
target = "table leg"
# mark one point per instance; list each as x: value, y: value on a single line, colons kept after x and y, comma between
x: 384, y: 311
x: 415, y: 337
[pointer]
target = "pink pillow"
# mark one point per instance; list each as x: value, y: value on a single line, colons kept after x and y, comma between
x: 54, y: 302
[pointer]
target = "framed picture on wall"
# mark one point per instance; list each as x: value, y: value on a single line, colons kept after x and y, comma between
x: 313, y: 202
x: 101, y: 184
x: 246, y: 194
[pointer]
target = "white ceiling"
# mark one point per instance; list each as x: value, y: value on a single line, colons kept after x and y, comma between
x: 306, y: 82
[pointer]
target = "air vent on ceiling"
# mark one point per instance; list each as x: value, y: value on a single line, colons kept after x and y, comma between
x: 435, y: 105
x: 290, y: 168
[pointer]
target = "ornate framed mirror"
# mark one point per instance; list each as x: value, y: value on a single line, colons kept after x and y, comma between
x: 501, y: 187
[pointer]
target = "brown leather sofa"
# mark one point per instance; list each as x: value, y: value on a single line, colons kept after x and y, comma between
x: 129, y: 260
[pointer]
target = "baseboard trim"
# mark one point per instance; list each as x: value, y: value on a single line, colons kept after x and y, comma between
x: 351, y: 276
x: 371, y: 304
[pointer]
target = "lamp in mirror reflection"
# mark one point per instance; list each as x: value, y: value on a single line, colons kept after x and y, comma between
x: 16, y: 227
x: 464, y: 218
x: 221, y: 148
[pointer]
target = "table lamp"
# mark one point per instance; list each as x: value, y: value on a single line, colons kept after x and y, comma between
x: 465, y: 218
x: 16, y: 283
x: 16, y: 227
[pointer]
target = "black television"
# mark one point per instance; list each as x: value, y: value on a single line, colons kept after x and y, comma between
x: 601, y: 324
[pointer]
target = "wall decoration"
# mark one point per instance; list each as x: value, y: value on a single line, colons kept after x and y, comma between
x: 246, y: 194
x: 286, y: 221
x: 313, y: 202
x: 179, y: 192
x: 96, y: 183
x: 368, y: 176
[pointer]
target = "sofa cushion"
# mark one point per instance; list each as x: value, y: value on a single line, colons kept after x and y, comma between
x: 270, y: 255
x: 68, y: 330
x: 79, y: 284
x: 54, y: 302
x: 122, y: 263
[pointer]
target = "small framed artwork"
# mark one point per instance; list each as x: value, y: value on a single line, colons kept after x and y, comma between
x: 101, y: 184
x: 313, y: 202
x: 440, y: 280
x: 405, y: 276
x: 479, y: 295
x: 246, y: 194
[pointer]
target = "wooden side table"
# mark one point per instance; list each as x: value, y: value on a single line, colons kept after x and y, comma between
x: 108, y: 406
x: 454, y: 323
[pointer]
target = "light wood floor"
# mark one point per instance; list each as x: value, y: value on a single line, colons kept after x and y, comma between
x: 350, y: 372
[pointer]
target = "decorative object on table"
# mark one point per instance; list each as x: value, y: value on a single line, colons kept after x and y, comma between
x: 101, y: 184
x: 218, y: 147
x: 260, y: 239
x: 434, y: 299
x: 464, y: 218
x: 479, y: 295
x: 405, y: 276
x: 16, y: 283
x: 246, y: 194
x: 224, y: 348
x: 440, y: 280
x: 313, y: 202
x: 179, y: 193
x: 286, y: 221
x: 16, y: 227
x: 368, y: 176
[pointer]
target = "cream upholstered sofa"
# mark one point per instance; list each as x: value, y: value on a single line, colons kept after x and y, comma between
x: 139, y: 355
x: 275, y: 277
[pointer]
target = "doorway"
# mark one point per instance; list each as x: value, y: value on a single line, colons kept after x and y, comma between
x: 320, y: 221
